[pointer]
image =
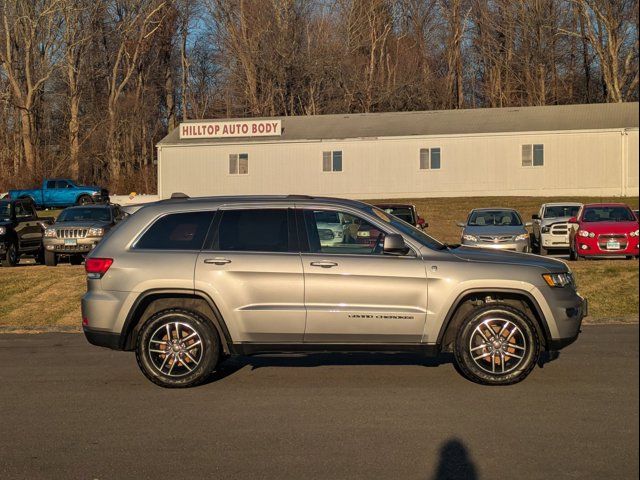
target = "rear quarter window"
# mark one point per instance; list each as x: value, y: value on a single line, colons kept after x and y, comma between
x: 177, y: 231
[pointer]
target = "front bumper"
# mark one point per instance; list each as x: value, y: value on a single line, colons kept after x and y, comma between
x: 82, y: 245
x: 520, y: 246
x: 550, y: 241
x: 568, y: 309
x: 592, y: 247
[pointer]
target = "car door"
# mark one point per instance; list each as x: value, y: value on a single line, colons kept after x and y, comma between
x: 27, y: 228
x: 354, y: 293
x: 251, y: 269
x: 49, y: 193
x: 66, y: 193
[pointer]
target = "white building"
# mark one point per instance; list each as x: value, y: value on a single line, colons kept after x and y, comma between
x: 533, y: 151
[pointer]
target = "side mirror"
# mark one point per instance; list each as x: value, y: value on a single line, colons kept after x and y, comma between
x: 573, y: 220
x: 528, y: 224
x: 461, y: 224
x: 421, y: 223
x: 535, y: 216
x: 394, y: 245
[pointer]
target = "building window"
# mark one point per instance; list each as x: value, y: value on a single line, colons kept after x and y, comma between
x: 430, y: 158
x: 239, y: 164
x: 533, y: 155
x: 332, y: 161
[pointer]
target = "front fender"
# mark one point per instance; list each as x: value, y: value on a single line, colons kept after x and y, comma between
x: 440, y: 314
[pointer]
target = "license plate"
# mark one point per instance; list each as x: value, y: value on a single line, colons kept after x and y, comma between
x: 613, y: 245
x: 70, y: 241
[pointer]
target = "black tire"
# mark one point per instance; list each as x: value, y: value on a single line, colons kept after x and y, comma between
x: 206, y: 361
x: 50, y: 259
x: 573, y: 255
x: 518, y: 369
x: 84, y: 200
x: 11, y: 257
x: 76, y: 259
x: 39, y: 258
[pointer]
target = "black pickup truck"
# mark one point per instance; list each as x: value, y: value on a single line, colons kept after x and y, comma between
x: 21, y: 231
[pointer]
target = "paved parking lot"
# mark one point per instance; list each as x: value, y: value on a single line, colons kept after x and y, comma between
x: 70, y: 410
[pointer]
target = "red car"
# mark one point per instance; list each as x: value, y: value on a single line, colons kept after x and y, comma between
x: 604, y: 229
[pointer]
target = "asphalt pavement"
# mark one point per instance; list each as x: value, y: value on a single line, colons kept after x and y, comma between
x: 70, y: 410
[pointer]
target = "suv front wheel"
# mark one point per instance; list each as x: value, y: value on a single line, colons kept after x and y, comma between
x: 177, y: 348
x: 497, y: 345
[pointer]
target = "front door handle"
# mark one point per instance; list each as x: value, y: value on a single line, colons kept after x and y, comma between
x: 217, y: 261
x: 324, y: 264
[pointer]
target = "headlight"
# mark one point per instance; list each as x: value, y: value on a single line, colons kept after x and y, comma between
x: 95, y: 232
x: 519, y: 238
x: 469, y: 238
x: 50, y: 233
x: 546, y: 229
x: 558, y: 280
x: 633, y: 234
x: 584, y: 233
x: 3, y: 230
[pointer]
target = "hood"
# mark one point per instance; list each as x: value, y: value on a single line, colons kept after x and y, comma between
x: 88, y: 224
x: 550, y: 221
x: 476, y: 254
x: 609, y: 227
x: 496, y: 230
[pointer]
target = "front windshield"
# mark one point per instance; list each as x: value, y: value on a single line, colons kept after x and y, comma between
x: 503, y: 218
x: 5, y: 211
x: 608, y: 214
x: 90, y: 214
x: 408, y: 229
x: 560, y: 211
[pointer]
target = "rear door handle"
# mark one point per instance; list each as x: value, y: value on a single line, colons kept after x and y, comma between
x: 217, y: 261
x: 324, y: 264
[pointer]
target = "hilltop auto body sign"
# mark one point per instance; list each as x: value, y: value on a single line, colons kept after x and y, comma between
x: 249, y: 128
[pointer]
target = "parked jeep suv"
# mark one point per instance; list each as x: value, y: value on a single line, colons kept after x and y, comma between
x: 186, y: 282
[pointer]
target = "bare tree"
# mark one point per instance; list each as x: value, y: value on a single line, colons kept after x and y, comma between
x: 29, y: 41
x: 612, y: 30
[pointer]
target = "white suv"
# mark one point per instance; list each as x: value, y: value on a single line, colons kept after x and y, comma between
x: 551, y: 227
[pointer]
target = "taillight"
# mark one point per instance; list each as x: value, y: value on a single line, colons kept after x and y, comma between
x: 97, y: 267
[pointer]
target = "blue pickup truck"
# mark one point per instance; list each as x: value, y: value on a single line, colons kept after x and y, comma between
x: 61, y: 192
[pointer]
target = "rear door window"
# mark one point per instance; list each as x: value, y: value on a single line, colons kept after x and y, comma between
x: 177, y: 231
x: 254, y: 230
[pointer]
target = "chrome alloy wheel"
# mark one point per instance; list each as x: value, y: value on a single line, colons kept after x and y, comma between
x: 175, y: 349
x: 497, y: 345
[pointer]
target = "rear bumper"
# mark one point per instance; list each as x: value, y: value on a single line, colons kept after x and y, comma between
x: 102, y: 339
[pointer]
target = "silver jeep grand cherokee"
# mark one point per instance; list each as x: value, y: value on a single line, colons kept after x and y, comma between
x: 187, y: 282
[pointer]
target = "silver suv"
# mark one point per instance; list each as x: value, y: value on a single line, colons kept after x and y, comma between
x: 187, y: 282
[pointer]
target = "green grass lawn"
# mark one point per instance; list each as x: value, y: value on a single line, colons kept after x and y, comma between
x: 38, y: 297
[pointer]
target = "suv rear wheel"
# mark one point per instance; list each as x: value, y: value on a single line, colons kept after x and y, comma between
x: 497, y: 345
x: 177, y: 348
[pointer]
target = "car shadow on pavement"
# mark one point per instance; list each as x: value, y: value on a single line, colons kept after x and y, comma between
x: 455, y: 462
x: 233, y: 364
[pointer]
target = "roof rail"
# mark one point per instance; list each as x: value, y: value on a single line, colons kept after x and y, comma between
x: 300, y: 197
x: 175, y: 195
